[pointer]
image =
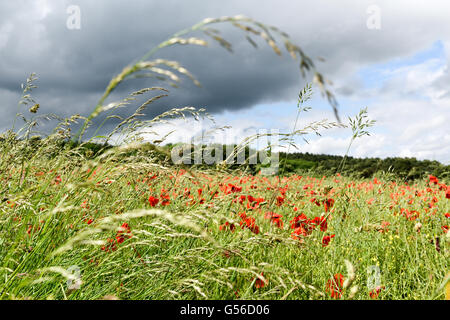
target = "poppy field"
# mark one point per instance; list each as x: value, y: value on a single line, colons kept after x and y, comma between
x: 126, y: 231
x: 121, y: 222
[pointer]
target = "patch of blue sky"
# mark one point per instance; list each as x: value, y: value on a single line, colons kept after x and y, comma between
x: 282, y: 115
x: 375, y: 75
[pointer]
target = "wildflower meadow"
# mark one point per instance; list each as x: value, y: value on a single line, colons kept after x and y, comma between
x: 82, y: 218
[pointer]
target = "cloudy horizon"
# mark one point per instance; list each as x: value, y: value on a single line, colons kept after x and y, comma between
x: 399, y: 71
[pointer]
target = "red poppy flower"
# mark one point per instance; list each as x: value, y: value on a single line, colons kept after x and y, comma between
x: 326, y: 240
x: 298, y: 221
x: 240, y: 199
x: 298, y: 232
x: 85, y: 205
x: 120, y: 238
x: 226, y: 226
x: 375, y: 292
x: 384, y: 226
x: 433, y: 179
x: 58, y: 180
x: 260, y: 283
x: 322, y: 221
x: 328, y: 204
x: 275, y: 218
x: 125, y: 228
x: 231, y: 188
x: 165, y: 198
x: 249, y: 223
x: 124, y: 231
x: 334, y: 286
x: 153, y: 201
x: 280, y: 201
x: 314, y: 200
x: 111, y: 246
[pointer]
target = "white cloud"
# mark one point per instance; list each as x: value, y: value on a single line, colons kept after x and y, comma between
x: 43, y: 8
x: 5, y: 31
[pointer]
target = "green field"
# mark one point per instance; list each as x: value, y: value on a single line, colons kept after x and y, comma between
x: 77, y: 228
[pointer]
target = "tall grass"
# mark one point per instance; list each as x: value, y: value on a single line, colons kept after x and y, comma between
x: 128, y: 224
x: 179, y: 251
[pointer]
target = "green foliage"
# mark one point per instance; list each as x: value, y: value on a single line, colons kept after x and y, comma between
x: 402, y: 168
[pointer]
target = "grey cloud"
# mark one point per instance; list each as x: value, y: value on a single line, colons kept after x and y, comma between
x: 75, y: 66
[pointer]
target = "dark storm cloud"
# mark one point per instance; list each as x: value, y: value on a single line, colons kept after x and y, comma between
x: 74, y: 66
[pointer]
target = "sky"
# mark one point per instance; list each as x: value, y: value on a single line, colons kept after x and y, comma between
x: 389, y: 56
